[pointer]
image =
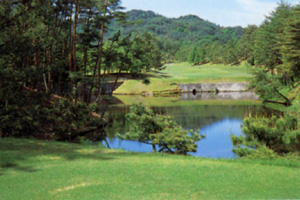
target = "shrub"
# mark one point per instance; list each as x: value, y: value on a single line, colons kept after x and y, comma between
x: 279, y: 135
x: 147, y: 127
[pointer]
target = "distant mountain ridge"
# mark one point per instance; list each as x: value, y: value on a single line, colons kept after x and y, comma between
x: 185, y: 31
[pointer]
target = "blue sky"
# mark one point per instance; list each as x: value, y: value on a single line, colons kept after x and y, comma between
x: 221, y: 12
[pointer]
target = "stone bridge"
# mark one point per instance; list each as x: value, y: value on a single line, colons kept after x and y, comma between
x: 214, y: 87
x: 220, y: 96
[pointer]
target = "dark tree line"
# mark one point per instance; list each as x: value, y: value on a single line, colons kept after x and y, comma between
x: 50, y: 49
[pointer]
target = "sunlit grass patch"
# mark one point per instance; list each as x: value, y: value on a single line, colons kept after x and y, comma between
x: 186, y: 73
x: 91, y: 172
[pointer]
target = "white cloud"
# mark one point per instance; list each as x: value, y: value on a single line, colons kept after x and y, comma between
x: 222, y: 12
x: 258, y: 7
x: 253, y: 11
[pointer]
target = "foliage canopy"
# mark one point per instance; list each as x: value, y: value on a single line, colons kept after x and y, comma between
x: 155, y: 129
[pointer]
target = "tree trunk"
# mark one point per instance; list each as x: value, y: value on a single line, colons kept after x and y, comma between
x: 45, y: 82
x: 85, y: 93
x: 98, y: 64
x: 36, y: 55
x: 70, y: 41
x: 154, y: 148
x: 74, y: 35
x: 101, y: 48
x: 287, y: 101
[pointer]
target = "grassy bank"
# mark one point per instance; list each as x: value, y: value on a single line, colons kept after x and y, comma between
x: 185, y: 73
x: 32, y: 169
x: 175, y: 101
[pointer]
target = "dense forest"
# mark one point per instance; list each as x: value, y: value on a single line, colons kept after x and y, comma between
x: 54, y: 61
x: 272, y: 46
x: 176, y: 36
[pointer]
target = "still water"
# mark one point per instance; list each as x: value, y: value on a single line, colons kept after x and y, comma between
x: 217, y: 119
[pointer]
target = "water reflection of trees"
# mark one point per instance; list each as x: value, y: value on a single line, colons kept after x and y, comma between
x: 117, y: 121
x: 191, y: 117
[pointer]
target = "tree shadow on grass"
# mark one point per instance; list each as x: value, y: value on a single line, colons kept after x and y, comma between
x: 18, y: 167
x: 11, y: 165
x: 18, y: 154
x: 140, y: 76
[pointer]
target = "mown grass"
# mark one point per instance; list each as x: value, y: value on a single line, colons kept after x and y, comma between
x: 33, y: 169
x: 186, y: 73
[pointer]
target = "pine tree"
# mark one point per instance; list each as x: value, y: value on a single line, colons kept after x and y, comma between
x: 245, y: 46
x: 47, y: 48
x: 290, y: 48
x: 268, y: 37
x: 202, y: 54
x: 192, y: 55
x: 229, y: 53
x: 154, y: 129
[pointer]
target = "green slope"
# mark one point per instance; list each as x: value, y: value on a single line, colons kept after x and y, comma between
x: 186, y: 73
x: 31, y: 169
x: 175, y: 36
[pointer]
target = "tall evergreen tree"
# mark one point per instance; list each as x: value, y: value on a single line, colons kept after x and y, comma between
x: 192, y: 56
x: 48, y: 48
x: 267, y: 42
x: 245, y: 46
x: 290, y: 48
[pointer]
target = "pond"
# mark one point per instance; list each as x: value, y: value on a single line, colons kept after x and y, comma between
x: 215, y: 117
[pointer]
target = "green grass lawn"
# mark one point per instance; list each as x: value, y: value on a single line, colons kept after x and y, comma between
x: 186, y: 73
x: 31, y: 169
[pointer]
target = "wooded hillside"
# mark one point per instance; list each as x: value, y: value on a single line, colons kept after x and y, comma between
x: 175, y: 36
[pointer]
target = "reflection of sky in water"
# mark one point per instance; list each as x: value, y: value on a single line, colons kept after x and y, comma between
x: 216, y: 144
x: 129, y: 145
